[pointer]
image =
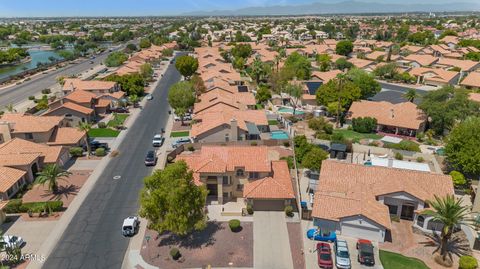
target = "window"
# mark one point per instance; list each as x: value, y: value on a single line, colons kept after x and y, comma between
x: 28, y: 136
x: 392, y: 209
x: 240, y: 172
x: 226, y: 180
x: 253, y: 175
x: 240, y: 187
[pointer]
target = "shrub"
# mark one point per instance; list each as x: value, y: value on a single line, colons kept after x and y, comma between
x: 175, y: 253
x: 286, y: 144
x: 100, y: 152
x: 467, y: 262
x: 16, y: 206
x: 249, y: 209
x: 398, y: 156
x: 364, y: 125
x: 337, y: 137
x: 234, y: 225
x: 191, y: 148
x: 420, y: 159
x: 253, y: 143
x: 289, y: 211
x: 170, y: 159
x: 458, y: 178
x: 46, y: 91
x: 13, y: 206
x: 102, y: 125
x: 31, y: 97
x: 76, y: 151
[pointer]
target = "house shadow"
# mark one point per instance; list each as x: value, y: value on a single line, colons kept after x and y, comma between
x: 9, y: 221
x: 193, y: 240
x: 63, y: 191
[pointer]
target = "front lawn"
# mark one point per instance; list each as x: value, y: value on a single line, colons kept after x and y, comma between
x: 352, y: 135
x: 392, y: 260
x: 180, y: 134
x: 272, y: 122
x: 259, y: 106
x: 103, y: 132
x: 118, y: 120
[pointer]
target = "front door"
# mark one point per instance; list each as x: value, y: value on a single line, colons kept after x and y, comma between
x: 212, y: 190
x: 407, y: 212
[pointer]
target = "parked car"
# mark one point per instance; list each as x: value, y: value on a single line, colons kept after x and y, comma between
x: 342, y: 256
x: 317, y: 235
x: 324, y: 255
x: 158, y: 140
x: 181, y: 141
x: 91, y: 62
x: 13, y: 241
x: 120, y: 110
x: 186, y: 117
x: 365, y: 252
x: 130, y: 226
x: 96, y: 144
x: 151, y: 158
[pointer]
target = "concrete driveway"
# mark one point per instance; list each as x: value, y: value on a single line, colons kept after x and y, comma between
x: 271, y: 246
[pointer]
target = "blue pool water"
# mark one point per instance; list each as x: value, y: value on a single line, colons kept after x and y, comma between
x: 290, y: 110
x: 278, y: 135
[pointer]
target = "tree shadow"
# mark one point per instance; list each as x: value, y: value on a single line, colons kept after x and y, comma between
x: 196, y: 239
x: 455, y: 246
x: 63, y: 191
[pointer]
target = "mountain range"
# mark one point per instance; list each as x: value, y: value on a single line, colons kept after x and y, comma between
x: 344, y: 7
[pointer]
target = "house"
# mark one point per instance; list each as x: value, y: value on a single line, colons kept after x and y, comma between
x: 464, y: 66
x: 311, y: 86
x: 357, y: 200
x: 471, y: 81
x: 97, y: 87
x: 235, y: 125
x: 435, y: 76
x: 361, y: 63
x: 11, y: 181
x: 246, y: 172
x: 419, y: 60
x: 74, y: 113
x: 400, y: 119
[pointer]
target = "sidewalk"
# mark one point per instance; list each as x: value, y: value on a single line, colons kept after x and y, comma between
x: 51, y: 241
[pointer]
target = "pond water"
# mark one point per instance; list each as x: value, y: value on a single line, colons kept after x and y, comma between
x: 38, y: 56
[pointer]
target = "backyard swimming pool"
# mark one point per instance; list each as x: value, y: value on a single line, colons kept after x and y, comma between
x: 278, y: 135
x: 290, y: 111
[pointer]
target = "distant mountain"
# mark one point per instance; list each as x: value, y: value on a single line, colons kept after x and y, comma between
x: 344, y: 7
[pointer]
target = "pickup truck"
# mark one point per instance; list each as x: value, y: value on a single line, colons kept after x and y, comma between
x: 95, y: 145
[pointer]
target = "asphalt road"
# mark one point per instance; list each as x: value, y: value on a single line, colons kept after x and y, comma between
x: 394, y: 93
x: 93, y: 238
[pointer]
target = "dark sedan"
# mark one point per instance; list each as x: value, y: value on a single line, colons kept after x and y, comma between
x: 151, y: 158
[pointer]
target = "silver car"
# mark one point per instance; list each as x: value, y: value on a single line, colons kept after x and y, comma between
x: 342, y: 256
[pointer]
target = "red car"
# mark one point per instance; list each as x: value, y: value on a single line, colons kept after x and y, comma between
x: 365, y: 252
x: 324, y: 254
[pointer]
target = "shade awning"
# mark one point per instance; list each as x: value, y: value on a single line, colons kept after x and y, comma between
x: 252, y: 128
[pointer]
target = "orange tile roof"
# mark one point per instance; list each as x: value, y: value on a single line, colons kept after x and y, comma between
x: 464, y: 65
x: 211, y: 120
x: 67, y: 136
x: 472, y: 80
x: 405, y: 115
x: 8, y: 177
x: 18, y: 159
x: 51, y: 154
x: 80, y: 96
x: 75, y: 107
x: 279, y: 186
x: 326, y: 76
x: 360, y: 63
x: 351, y: 189
x: 87, y: 85
x: 423, y: 60
x: 22, y: 123
x: 436, y: 74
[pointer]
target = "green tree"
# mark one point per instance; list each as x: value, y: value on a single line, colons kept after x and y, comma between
x: 131, y: 48
x: 344, y: 47
x: 342, y: 64
x: 364, y: 81
x: 461, y: 149
x: 458, y: 178
x: 257, y: 70
x: 186, y: 65
x: 50, y: 175
x: 313, y: 159
x: 386, y: 71
x: 294, y: 91
x: 333, y: 92
x: 298, y: 65
x: 242, y: 50
x: 324, y: 62
x: 181, y: 97
x: 451, y: 213
x: 411, y: 95
x: 239, y: 63
x: 170, y: 201
x: 145, y: 43
x: 130, y: 83
x: 146, y: 70
x: 115, y: 59
x: 263, y: 94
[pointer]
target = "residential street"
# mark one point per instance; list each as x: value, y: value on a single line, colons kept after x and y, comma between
x: 93, y: 239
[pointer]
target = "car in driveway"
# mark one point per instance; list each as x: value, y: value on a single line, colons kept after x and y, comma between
x: 151, y: 158
x: 342, y: 255
x: 120, y: 110
x: 317, y: 235
x: 149, y: 97
x: 130, y: 226
x: 158, y: 140
x: 365, y: 252
x: 186, y: 117
x: 94, y: 145
x: 324, y: 256
x: 13, y: 241
x: 181, y: 141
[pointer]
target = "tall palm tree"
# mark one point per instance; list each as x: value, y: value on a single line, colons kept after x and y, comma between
x: 451, y: 213
x: 86, y: 127
x: 411, y: 95
x: 50, y: 175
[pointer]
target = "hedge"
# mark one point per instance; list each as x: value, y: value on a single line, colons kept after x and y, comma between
x: 175, y: 253
x: 17, y: 206
x: 467, y: 262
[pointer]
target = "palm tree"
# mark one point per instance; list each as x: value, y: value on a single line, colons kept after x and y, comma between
x: 86, y: 127
x: 451, y: 213
x: 411, y: 95
x: 10, y: 108
x: 50, y: 175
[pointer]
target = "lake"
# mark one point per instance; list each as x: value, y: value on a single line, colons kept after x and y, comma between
x: 38, y: 56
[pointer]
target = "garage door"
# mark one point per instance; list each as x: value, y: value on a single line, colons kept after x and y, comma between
x: 268, y: 205
x: 362, y: 232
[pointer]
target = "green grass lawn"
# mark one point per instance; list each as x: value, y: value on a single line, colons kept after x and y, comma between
x: 259, y: 106
x: 119, y: 119
x: 180, y: 134
x: 352, y: 135
x: 392, y: 260
x: 103, y: 132
x: 272, y: 122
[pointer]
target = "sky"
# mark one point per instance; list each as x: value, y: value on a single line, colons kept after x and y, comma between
x: 64, y: 8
